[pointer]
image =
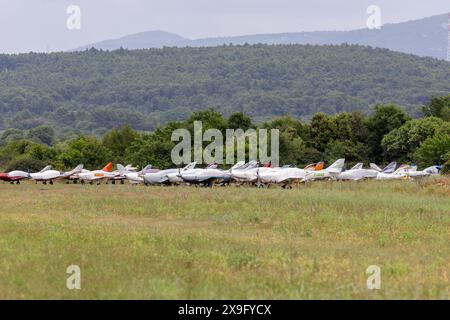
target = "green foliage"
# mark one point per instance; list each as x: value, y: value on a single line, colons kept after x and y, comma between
x: 385, y: 119
x: 438, y: 107
x: 210, y: 119
x: 352, y: 152
x: 154, y: 149
x: 239, y: 120
x: 446, y: 166
x: 11, y: 134
x: 26, y: 155
x: 94, y: 91
x: 401, y: 143
x: 322, y: 129
x: 42, y: 134
x: 84, y: 150
x: 324, y: 138
x: 118, y: 140
x: 436, y: 149
x: 25, y: 163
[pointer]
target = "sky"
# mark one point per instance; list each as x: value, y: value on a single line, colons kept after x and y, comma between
x: 41, y: 25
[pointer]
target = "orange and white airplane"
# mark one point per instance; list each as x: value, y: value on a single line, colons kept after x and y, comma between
x: 315, y: 166
x: 97, y: 175
x: 329, y: 173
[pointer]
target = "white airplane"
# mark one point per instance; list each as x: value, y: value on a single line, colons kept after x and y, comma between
x: 175, y: 177
x: 209, y: 176
x: 285, y: 176
x: 247, y: 176
x: 14, y: 176
x: 96, y: 175
x: 357, y: 173
x: 412, y: 172
x: 72, y: 175
x: 121, y: 172
x: 329, y: 173
x: 433, y: 170
x: 160, y: 177
x: 248, y: 173
x: 398, y: 174
x: 138, y: 177
x: 45, y: 175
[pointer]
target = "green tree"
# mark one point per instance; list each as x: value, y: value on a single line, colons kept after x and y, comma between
x: 85, y: 150
x: 239, y: 120
x: 436, y: 149
x: 385, y: 119
x: 210, y: 119
x: 401, y: 143
x: 438, y: 107
x: 118, y: 140
x: 42, y: 134
x: 25, y: 163
x: 351, y: 151
x: 11, y: 135
x: 323, y: 129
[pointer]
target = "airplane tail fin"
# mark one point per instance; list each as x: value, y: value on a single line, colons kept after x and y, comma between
x: 147, y: 167
x: 46, y: 169
x: 373, y: 166
x: 390, y: 168
x: 108, y: 167
x: 238, y: 165
x: 121, y: 169
x: 190, y: 166
x: 79, y: 168
x: 252, y: 164
x: 338, y: 165
x: 357, y: 166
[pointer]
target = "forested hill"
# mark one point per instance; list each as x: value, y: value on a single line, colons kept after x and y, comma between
x: 91, y: 91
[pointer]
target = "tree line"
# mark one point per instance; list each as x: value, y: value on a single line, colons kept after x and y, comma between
x: 389, y: 133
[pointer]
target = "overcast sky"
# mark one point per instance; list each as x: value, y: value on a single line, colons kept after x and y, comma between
x: 40, y: 25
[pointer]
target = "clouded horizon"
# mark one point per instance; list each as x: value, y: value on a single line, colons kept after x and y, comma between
x: 40, y: 25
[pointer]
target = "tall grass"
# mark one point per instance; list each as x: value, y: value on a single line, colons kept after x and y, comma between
x: 315, y: 241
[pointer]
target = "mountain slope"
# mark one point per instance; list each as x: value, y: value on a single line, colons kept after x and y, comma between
x: 93, y: 90
x: 142, y: 40
x: 424, y: 37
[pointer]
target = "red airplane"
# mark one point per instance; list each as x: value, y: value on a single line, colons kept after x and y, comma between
x: 14, y: 176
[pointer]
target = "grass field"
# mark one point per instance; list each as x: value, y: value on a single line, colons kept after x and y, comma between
x: 315, y: 241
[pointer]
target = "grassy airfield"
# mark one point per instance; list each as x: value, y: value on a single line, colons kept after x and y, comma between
x: 314, y: 241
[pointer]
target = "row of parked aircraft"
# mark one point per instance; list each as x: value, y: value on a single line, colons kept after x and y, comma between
x: 241, y: 173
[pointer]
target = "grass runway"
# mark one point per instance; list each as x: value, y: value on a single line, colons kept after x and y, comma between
x: 312, y: 242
